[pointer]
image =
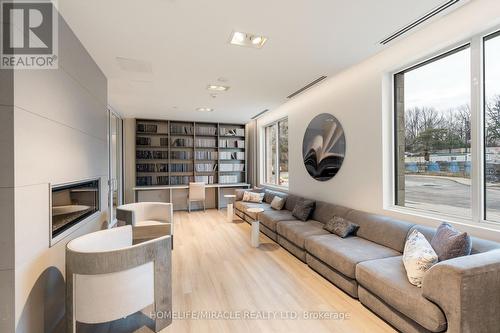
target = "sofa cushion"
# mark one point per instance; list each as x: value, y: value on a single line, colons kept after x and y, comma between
x: 249, y: 196
x: 297, y: 231
x: 343, y: 254
x: 418, y: 257
x: 324, y: 211
x: 386, y: 278
x: 291, y: 200
x: 270, y: 218
x: 269, y: 195
x: 380, y: 229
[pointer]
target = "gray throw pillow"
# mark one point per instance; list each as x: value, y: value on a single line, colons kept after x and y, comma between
x: 450, y: 243
x: 239, y: 194
x: 278, y: 203
x: 341, y: 227
x: 303, y: 209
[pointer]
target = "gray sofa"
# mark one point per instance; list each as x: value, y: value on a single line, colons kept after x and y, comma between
x: 458, y: 295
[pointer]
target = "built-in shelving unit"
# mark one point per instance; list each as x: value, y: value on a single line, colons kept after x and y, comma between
x: 179, y: 152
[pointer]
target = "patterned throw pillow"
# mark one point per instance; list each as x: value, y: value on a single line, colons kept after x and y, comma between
x: 253, y: 197
x: 341, y: 227
x: 278, y: 203
x: 450, y: 243
x: 418, y: 257
x: 303, y: 209
x: 239, y: 194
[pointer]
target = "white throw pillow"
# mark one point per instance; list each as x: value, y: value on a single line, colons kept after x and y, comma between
x: 418, y: 257
x: 253, y: 197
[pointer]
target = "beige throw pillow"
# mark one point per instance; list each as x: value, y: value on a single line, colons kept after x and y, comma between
x: 278, y: 203
x: 253, y: 197
x: 418, y: 257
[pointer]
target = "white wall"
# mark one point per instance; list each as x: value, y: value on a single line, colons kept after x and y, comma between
x: 358, y: 98
x: 60, y: 136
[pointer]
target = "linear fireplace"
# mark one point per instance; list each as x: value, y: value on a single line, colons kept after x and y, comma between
x: 72, y: 204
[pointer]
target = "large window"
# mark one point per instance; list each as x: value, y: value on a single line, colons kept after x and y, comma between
x: 433, y: 135
x: 492, y: 126
x: 276, y: 153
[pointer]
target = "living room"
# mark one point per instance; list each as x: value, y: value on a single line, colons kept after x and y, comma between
x: 233, y: 166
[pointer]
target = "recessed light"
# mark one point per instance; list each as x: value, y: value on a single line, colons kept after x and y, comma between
x: 204, y: 109
x: 216, y: 87
x: 247, y: 39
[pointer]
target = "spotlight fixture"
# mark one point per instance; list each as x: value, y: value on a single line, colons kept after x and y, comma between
x: 204, y: 109
x: 247, y: 39
x: 217, y: 88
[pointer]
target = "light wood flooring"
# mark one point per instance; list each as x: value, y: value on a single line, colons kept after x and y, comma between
x: 216, y: 269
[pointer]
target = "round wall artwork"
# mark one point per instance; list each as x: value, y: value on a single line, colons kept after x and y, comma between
x: 323, y: 148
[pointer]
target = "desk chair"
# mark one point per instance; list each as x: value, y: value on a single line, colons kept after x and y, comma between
x: 196, y: 193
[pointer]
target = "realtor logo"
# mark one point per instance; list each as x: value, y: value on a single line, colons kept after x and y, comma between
x: 29, y: 35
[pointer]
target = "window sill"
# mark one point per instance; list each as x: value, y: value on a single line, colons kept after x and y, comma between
x: 275, y: 187
x: 439, y: 218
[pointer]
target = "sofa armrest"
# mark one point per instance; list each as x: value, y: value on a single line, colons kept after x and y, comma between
x: 467, y: 289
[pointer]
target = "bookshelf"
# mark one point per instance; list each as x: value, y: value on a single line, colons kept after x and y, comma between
x: 180, y: 152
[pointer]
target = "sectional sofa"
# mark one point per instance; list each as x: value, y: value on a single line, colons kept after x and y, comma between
x: 458, y: 295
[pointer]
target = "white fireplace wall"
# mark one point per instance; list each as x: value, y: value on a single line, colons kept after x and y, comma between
x: 59, y: 133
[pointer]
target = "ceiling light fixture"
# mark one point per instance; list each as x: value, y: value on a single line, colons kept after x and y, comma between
x: 247, y: 39
x: 204, y: 109
x: 216, y: 87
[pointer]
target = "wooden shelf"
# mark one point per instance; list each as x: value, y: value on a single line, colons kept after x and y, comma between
x: 170, y: 131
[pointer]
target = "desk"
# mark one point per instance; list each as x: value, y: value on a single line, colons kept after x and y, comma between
x: 171, y: 188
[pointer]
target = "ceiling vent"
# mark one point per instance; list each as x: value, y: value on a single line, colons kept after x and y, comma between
x: 443, y: 9
x: 258, y: 115
x: 134, y: 65
x: 307, y: 86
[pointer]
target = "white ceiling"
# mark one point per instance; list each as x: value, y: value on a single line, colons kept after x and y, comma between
x: 186, y: 43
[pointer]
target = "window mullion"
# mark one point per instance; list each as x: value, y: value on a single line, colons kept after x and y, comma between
x: 277, y: 154
x: 477, y: 154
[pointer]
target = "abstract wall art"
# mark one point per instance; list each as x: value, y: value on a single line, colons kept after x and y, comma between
x: 323, y: 148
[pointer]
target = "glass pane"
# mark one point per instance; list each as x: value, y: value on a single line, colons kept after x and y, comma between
x: 283, y: 149
x: 115, y: 162
x: 271, y: 167
x: 434, y: 134
x: 492, y: 127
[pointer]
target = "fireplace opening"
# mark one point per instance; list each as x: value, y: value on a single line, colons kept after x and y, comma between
x: 71, y: 204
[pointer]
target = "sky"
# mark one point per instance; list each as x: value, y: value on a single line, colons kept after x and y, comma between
x: 445, y: 84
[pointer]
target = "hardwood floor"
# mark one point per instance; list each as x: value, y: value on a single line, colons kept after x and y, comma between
x: 216, y: 269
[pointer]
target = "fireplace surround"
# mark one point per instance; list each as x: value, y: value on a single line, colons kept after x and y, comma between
x: 71, y: 205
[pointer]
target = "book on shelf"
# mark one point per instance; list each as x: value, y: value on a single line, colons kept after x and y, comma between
x: 181, y: 129
x: 182, y: 142
x: 205, y: 179
x: 181, y: 155
x: 181, y: 167
x: 147, y: 128
x: 152, y: 142
x: 231, y: 167
x: 149, y: 155
x: 228, y: 179
x: 231, y: 143
x: 205, y: 155
x: 205, y: 130
x: 180, y: 180
x: 227, y: 131
x: 206, y: 143
x: 205, y: 167
x: 232, y: 155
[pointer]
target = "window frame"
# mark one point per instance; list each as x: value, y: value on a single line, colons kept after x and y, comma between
x: 278, y: 153
x: 478, y: 152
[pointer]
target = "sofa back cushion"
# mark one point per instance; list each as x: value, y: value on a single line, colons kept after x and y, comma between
x: 380, y: 229
x: 479, y: 245
x: 325, y: 211
x: 269, y: 195
x: 291, y: 200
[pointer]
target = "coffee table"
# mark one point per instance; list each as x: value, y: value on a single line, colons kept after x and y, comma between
x: 230, y: 198
x: 255, y: 226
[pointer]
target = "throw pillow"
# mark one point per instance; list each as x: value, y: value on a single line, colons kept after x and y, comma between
x: 253, y: 197
x: 303, y: 209
x: 239, y: 194
x: 450, y: 243
x: 278, y: 203
x: 341, y: 227
x: 418, y: 257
